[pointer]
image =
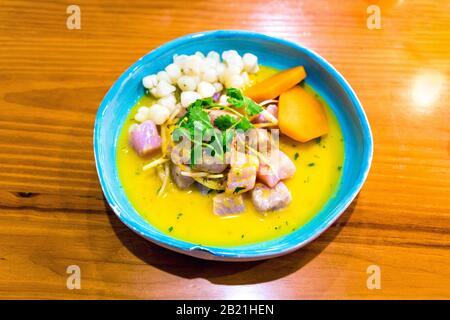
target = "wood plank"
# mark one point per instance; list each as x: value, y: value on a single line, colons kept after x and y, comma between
x: 52, y: 211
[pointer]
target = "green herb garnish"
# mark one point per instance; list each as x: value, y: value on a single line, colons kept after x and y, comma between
x: 224, y: 122
x: 312, y: 164
x: 170, y: 229
x: 238, y: 100
x: 196, y: 124
x: 244, y: 124
x: 296, y: 155
x: 237, y: 189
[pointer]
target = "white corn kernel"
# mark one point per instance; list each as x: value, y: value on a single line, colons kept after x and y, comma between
x: 173, y: 71
x: 163, y: 76
x: 187, y: 83
x: 233, y: 70
x: 249, y: 59
x: 142, y: 109
x: 150, y: 81
x: 223, y: 100
x: 200, y: 54
x: 229, y: 72
x: 250, y: 63
x: 139, y: 117
x: 163, y: 89
x: 209, y: 75
x: 206, y: 89
x: 192, y: 66
x: 214, y: 56
x: 169, y: 102
x: 234, y: 81
x: 142, y: 114
x: 232, y: 58
x: 254, y: 69
x: 158, y: 114
x: 188, y: 97
x: 196, y: 79
x: 208, y: 64
x: 176, y: 109
x: 220, y: 69
x: 218, y: 86
x: 245, y: 77
x: 132, y: 127
x: 229, y: 54
x: 179, y: 60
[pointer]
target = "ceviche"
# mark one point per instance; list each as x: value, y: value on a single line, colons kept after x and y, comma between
x: 219, y: 145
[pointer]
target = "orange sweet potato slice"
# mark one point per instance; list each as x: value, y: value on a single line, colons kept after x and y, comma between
x: 301, y: 116
x: 275, y: 85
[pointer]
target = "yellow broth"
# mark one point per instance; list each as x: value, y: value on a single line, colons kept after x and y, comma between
x: 188, y: 215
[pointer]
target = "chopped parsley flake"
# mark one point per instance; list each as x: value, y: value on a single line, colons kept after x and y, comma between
x: 238, y: 189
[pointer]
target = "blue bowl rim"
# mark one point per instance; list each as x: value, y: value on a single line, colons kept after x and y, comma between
x: 239, y: 252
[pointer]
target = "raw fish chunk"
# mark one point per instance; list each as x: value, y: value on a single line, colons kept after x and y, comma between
x: 271, y: 199
x: 181, y: 181
x: 228, y: 204
x: 209, y: 163
x: 144, y: 138
x: 242, y: 174
x: 281, y: 167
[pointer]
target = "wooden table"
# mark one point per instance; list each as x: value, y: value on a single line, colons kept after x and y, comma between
x: 52, y: 211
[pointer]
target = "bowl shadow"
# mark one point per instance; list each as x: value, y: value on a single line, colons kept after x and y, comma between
x: 226, y: 273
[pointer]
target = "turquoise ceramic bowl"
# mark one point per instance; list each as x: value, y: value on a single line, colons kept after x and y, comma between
x: 271, y: 51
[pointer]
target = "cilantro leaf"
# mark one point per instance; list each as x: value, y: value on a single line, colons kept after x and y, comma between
x: 201, y: 103
x: 252, y: 108
x: 238, y: 100
x: 244, y: 124
x: 224, y: 122
x: 198, y: 116
x: 235, y: 97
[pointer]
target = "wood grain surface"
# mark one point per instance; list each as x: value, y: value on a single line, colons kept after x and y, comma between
x: 52, y: 211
